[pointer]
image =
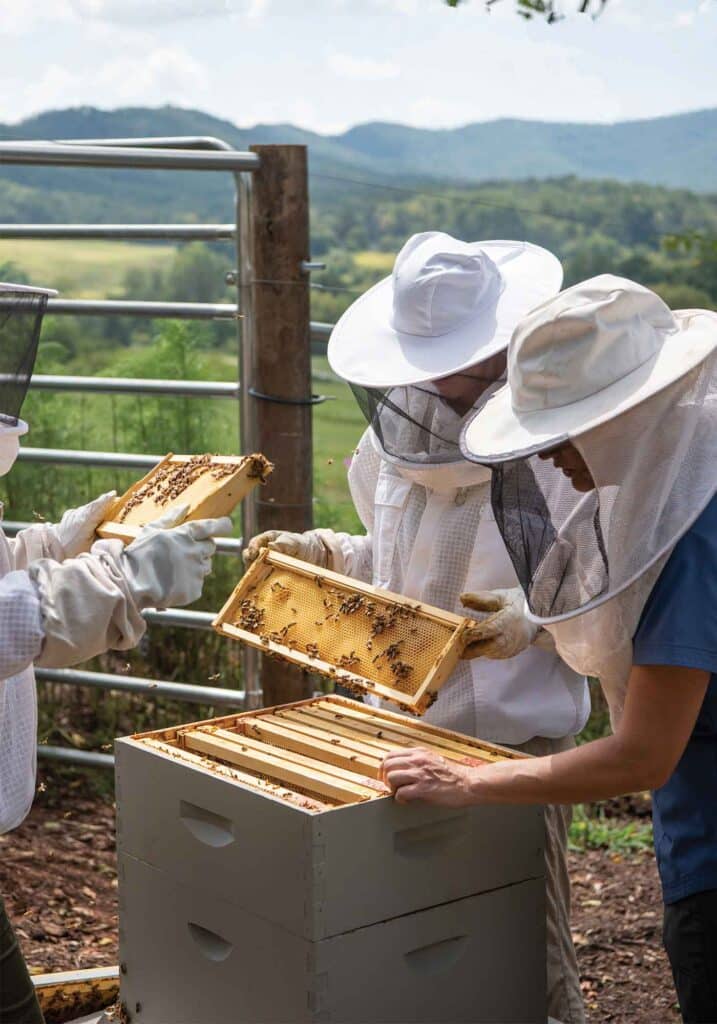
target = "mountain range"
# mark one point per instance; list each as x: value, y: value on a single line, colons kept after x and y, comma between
x: 679, y: 151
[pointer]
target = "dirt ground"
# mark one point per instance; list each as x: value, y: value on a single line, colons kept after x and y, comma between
x: 57, y: 875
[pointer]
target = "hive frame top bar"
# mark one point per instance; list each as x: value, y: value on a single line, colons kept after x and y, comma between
x: 437, y: 667
x: 317, y: 755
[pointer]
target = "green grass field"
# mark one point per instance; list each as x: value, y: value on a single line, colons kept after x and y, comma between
x: 378, y: 262
x: 83, y: 270
x: 87, y: 269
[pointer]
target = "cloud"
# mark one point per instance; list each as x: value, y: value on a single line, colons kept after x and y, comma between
x: 164, y: 72
x: 19, y: 19
x: 685, y: 20
x: 164, y: 75
x: 362, y: 69
x: 157, y: 11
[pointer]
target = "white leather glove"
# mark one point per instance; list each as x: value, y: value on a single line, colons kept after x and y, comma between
x: 76, y: 530
x: 166, y: 565
x: 313, y: 546
x: 506, y: 632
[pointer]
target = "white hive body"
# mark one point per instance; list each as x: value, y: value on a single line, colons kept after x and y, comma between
x: 266, y: 876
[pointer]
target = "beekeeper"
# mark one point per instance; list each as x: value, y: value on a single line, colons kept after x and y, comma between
x: 64, y: 599
x: 421, y: 350
x: 603, y: 447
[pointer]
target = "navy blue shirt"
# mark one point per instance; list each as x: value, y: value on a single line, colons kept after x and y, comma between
x: 679, y: 627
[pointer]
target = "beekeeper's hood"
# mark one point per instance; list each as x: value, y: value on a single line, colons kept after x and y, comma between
x: 424, y: 348
x: 22, y: 308
x: 609, y: 368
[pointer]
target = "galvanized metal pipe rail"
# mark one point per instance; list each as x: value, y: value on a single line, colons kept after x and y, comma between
x: 137, y: 386
x: 192, y: 694
x: 70, y: 755
x: 119, y: 232
x: 158, y: 142
x: 179, y: 617
x: 152, y: 310
x: 57, y: 154
x: 321, y: 331
x: 67, y: 456
x: 225, y: 545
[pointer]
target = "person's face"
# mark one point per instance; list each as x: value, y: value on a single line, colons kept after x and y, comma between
x: 571, y: 463
x: 462, y: 390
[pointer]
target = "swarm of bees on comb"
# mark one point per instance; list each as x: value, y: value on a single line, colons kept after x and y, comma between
x: 363, y: 638
x: 172, y: 479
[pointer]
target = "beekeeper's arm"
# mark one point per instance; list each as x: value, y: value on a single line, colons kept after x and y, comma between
x: 93, y: 603
x: 661, y: 709
x: 350, y: 554
x: 72, y: 536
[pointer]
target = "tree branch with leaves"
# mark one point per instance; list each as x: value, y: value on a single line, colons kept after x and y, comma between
x: 551, y: 10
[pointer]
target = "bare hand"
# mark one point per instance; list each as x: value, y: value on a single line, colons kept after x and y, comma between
x: 416, y: 774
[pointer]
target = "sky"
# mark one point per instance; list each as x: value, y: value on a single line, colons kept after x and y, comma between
x: 330, y: 64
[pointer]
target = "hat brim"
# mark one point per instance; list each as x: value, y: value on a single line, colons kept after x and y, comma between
x: 366, y: 350
x: 497, y: 433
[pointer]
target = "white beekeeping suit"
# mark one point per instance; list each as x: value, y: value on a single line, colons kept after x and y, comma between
x: 421, y: 351
x: 63, y: 598
x: 608, y: 370
x: 431, y: 535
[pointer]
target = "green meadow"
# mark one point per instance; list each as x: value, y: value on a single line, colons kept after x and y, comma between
x: 83, y: 269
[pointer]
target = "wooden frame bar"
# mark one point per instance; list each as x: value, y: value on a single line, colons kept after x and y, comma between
x: 226, y: 771
x: 294, y: 772
x: 400, y: 730
x: 300, y: 722
x: 331, y: 751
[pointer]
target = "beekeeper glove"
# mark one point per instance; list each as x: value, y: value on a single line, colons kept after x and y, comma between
x: 506, y: 632
x: 166, y: 565
x: 320, y: 547
x: 72, y: 536
x: 76, y: 530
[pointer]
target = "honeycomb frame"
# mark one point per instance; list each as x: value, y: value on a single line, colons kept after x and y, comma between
x: 366, y: 639
x: 208, y: 496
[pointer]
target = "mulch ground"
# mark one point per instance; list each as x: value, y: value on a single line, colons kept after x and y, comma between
x: 58, y: 878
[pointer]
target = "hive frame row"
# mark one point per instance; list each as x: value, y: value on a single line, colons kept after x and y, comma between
x: 317, y: 754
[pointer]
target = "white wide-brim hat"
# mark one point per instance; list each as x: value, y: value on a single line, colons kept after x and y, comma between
x: 447, y: 306
x: 595, y: 351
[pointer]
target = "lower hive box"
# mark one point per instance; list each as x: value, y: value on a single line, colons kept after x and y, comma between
x: 210, y: 485
x: 266, y: 875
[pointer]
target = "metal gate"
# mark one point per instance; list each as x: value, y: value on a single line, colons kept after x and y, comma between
x: 180, y: 154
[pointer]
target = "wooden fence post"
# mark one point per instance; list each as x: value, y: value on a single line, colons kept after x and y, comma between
x: 276, y: 365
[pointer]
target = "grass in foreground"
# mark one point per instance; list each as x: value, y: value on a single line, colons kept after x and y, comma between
x: 592, y: 830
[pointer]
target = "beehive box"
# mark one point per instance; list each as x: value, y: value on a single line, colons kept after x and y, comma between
x: 265, y: 875
x: 211, y: 485
x: 364, y: 638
